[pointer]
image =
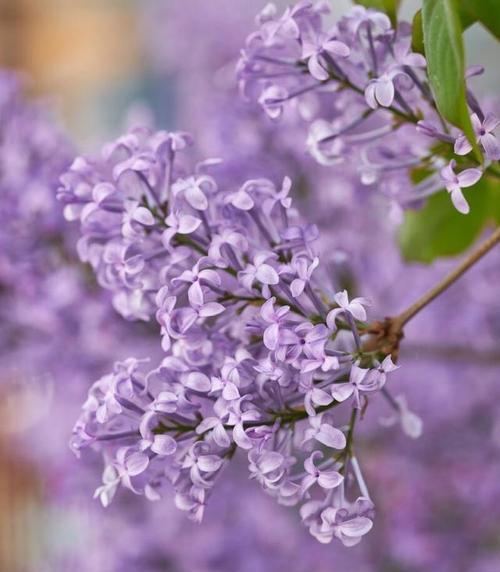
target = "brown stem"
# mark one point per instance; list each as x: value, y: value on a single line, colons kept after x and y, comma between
x: 385, y: 336
x: 447, y: 281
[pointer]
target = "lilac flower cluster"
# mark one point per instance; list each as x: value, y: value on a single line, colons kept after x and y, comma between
x: 253, y: 346
x: 33, y: 154
x: 55, y: 324
x: 365, y: 95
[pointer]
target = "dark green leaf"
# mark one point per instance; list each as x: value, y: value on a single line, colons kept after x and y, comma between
x: 466, y: 18
x: 445, y: 63
x: 390, y: 7
x: 438, y: 229
x: 485, y: 11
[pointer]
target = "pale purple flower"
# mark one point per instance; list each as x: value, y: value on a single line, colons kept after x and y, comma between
x: 304, y: 269
x: 195, y: 190
x: 380, y: 91
x: 410, y: 422
x: 242, y: 198
x: 215, y: 428
x: 314, y: 396
x: 307, y: 344
x: 130, y: 463
x: 259, y: 271
x: 378, y: 135
x: 201, y: 463
x: 339, y: 523
x: 360, y: 380
x: 225, y: 246
x: 484, y: 134
x: 326, y: 479
x: 324, y: 143
x: 454, y: 184
x: 272, y: 100
x: 179, y: 224
x: 360, y: 17
x: 274, y: 317
x: 111, y: 480
x: 300, y: 237
x: 281, y: 197
x: 267, y: 467
x: 315, y: 48
x: 161, y: 445
x: 404, y: 57
x: 125, y: 264
x: 325, y: 433
x: 197, y: 380
x: 229, y: 389
x: 198, y: 277
x: 387, y: 366
x: 237, y: 418
x: 355, y: 307
x: 135, y: 218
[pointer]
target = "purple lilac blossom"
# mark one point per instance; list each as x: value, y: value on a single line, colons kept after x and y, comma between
x: 230, y: 275
x: 33, y: 154
x: 57, y: 328
x: 424, y: 535
x: 363, y: 93
x: 455, y: 182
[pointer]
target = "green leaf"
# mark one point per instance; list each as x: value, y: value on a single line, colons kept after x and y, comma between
x: 390, y: 7
x: 417, y: 34
x: 417, y: 40
x: 495, y: 201
x: 485, y: 11
x: 438, y: 229
x: 466, y: 18
x: 445, y: 63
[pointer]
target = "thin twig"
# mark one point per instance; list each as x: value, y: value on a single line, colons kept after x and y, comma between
x: 450, y: 279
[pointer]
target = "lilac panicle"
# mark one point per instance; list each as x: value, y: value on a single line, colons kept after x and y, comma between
x: 255, y: 348
x: 364, y: 94
x: 33, y: 153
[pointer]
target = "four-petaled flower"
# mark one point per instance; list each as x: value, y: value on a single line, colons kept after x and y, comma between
x: 260, y: 271
x: 338, y: 522
x: 355, y: 307
x: 324, y: 478
x: 454, y: 184
x: 179, y: 223
x: 484, y: 133
x: 360, y: 379
x: 324, y: 433
x: 274, y: 317
x: 317, y: 49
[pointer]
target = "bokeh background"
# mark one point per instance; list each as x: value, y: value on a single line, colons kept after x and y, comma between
x: 98, y: 66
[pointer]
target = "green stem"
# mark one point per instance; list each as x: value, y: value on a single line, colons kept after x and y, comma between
x: 350, y: 433
x: 287, y: 417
